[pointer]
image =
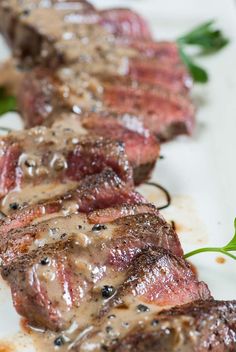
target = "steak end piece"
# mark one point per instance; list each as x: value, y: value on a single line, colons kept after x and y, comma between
x: 199, y: 326
x: 32, y: 45
x: 28, y: 42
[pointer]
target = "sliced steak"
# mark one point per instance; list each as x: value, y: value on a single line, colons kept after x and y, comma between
x: 197, y: 327
x: 97, y: 191
x: 42, y: 160
x: 70, y: 261
x: 44, y: 97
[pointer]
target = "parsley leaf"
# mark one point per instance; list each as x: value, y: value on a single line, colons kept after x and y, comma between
x: 208, y: 39
x: 7, y: 102
x: 198, y: 73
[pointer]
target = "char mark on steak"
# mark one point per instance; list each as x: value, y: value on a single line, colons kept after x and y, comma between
x: 55, y: 272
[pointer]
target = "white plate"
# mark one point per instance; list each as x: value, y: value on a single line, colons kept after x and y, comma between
x: 199, y: 172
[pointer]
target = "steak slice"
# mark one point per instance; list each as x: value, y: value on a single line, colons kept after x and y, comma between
x: 41, y: 160
x: 28, y: 22
x: 19, y: 241
x: 155, y: 280
x: 28, y: 39
x: 44, y: 97
x: 97, y: 191
x: 198, y: 327
x: 57, y: 269
x: 141, y: 147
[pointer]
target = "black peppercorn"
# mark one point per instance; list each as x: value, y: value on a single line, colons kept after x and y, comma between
x: 59, y: 341
x: 107, y: 291
x: 30, y: 163
x: 98, y: 227
x: 26, y: 12
x: 14, y: 206
x: 142, y: 308
x: 155, y: 322
x: 112, y: 316
x: 45, y: 261
x: 108, y: 329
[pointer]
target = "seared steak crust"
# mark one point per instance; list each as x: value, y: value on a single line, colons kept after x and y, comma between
x: 102, y: 216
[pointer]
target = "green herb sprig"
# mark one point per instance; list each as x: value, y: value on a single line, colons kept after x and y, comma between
x: 7, y: 102
x: 208, y: 40
x: 226, y: 250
